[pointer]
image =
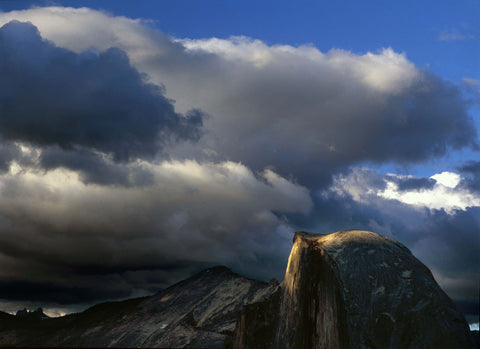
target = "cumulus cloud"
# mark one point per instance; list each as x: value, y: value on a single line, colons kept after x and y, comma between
x: 52, y: 96
x: 317, y: 111
x: 441, y: 191
x: 444, y: 194
x: 302, y: 111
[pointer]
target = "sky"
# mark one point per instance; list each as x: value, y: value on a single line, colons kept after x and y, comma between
x: 141, y: 142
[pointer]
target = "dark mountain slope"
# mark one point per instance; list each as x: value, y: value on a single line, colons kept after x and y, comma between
x: 198, y: 312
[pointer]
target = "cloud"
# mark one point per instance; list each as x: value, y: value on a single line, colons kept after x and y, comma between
x: 447, y: 179
x: 8, y: 152
x: 98, y: 101
x: 455, y: 35
x: 190, y: 216
x: 443, y: 195
x: 411, y: 183
x: 439, y: 192
x: 152, y: 193
x: 95, y: 168
x: 297, y: 109
x: 471, y: 83
x: 471, y: 172
x: 319, y: 111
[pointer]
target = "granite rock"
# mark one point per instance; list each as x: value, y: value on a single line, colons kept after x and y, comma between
x: 353, y: 289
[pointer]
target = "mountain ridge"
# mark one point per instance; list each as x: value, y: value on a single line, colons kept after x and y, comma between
x: 349, y: 289
x: 200, y: 311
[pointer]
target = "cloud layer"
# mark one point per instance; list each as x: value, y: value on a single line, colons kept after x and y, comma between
x: 112, y: 176
x: 53, y: 224
x: 282, y: 106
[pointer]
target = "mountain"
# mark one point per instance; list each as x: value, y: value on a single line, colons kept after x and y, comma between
x: 199, y: 312
x: 353, y: 289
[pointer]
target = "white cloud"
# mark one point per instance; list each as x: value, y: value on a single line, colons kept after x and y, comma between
x: 386, y: 71
x: 80, y: 29
x: 443, y: 195
x: 447, y: 179
x: 455, y: 35
x: 361, y: 184
x: 367, y: 186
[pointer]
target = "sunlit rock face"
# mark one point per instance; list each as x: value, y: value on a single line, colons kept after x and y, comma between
x: 353, y: 289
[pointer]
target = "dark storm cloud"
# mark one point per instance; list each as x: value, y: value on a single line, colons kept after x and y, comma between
x: 53, y: 96
x: 472, y: 171
x: 62, y: 234
x: 94, y: 169
x: 8, y: 152
x: 413, y: 183
x: 460, y: 233
x: 46, y: 292
x: 426, y: 121
x: 73, y: 285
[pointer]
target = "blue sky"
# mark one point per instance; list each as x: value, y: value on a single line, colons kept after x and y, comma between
x: 440, y: 35
x: 340, y: 114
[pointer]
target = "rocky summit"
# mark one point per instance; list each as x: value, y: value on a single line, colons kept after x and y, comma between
x: 353, y: 289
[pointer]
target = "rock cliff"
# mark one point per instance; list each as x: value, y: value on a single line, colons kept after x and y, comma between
x: 353, y: 289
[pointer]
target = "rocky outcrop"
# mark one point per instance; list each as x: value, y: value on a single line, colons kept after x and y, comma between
x: 199, y: 312
x: 36, y: 314
x: 353, y: 289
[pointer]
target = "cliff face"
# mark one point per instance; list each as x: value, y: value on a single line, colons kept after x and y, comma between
x: 353, y: 289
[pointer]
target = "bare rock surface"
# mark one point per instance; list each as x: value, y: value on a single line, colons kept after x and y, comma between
x: 353, y: 289
x: 199, y: 312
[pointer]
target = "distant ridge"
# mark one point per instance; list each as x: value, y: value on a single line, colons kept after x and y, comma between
x: 198, y: 312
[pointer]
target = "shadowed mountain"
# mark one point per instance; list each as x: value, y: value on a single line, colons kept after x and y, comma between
x: 199, y: 312
x: 353, y: 289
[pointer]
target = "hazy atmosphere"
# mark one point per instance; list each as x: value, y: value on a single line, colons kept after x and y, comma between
x: 141, y: 142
